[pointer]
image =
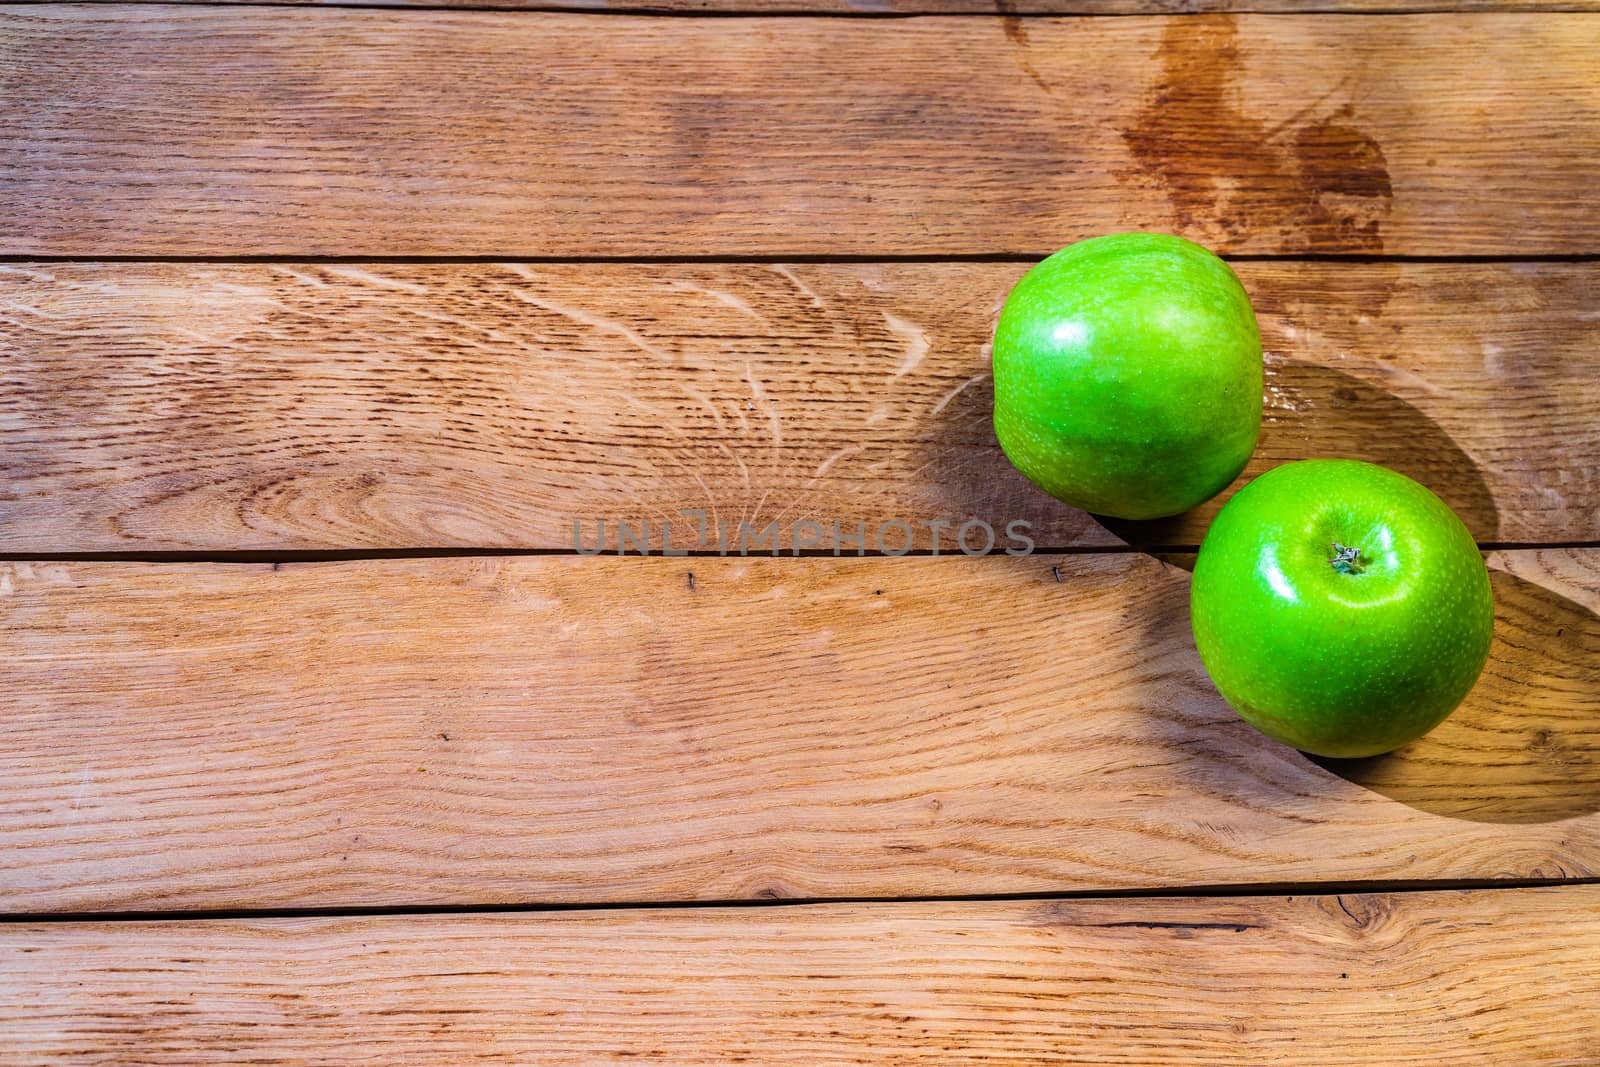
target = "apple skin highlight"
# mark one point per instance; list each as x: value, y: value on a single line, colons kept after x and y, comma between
x: 1128, y: 375
x: 1341, y: 607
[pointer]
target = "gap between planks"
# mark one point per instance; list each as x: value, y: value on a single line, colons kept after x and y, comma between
x: 1001, y: 9
x: 252, y: 557
x: 1391, y: 887
x: 1025, y: 257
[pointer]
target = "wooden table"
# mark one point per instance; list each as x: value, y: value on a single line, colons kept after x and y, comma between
x: 324, y: 324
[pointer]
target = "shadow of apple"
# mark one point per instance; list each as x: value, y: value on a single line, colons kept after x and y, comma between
x: 1523, y: 748
x: 1313, y: 412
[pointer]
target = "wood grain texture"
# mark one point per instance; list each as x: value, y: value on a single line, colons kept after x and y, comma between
x: 988, y: 7
x: 1446, y: 978
x: 220, y: 131
x: 467, y: 731
x: 175, y: 406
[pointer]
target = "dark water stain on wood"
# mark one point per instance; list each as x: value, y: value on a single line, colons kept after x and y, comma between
x: 1324, y: 183
x: 1016, y: 32
x: 1339, y: 159
x: 1347, y: 175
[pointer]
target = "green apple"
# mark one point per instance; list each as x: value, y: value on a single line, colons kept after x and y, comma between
x: 1127, y: 375
x: 1340, y: 607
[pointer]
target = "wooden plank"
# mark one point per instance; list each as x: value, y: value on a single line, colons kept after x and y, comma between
x: 1445, y: 978
x: 183, y: 406
x: 983, y: 7
x: 468, y: 731
x: 217, y: 131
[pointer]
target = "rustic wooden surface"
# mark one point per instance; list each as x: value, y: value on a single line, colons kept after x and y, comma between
x: 156, y: 407
x: 982, y: 7
x: 216, y: 337
x: 478, y: 731
x: 1435, y: 978
x: 210, y: 131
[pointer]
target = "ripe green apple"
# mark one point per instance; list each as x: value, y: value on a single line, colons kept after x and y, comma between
x: 1340, y: 607
x: 1127, y: 375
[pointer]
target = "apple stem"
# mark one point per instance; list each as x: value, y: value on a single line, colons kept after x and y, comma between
x: 1346, y: 560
